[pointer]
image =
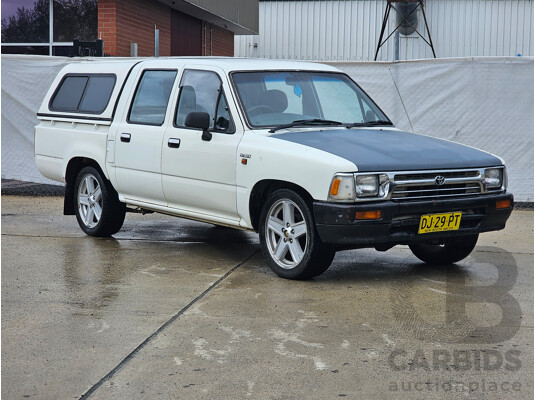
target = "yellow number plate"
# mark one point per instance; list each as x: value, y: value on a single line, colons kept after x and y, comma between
x: 440, y: 222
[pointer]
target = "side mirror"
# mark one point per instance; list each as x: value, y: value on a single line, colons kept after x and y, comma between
x: 199, y: 120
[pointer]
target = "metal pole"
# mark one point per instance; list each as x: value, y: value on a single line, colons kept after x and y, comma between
x: 396, y: 46
x: 156, y: 42
x: 211, y: 42
x: 133, y: 49
x: 204, y: 23
x: 50, y: 26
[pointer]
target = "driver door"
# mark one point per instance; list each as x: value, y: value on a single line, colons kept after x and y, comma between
x: 198, y: 176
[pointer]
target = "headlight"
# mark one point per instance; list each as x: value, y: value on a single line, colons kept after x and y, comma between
x: 372, y: 185
x: 493, y: 178
x: 351, y: 187
x: 342, y: 187
x: 367, y: 185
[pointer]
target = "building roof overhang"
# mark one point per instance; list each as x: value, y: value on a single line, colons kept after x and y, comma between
x: 207, y: 11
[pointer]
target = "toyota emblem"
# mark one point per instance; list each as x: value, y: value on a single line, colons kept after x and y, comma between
x: 439, y: 180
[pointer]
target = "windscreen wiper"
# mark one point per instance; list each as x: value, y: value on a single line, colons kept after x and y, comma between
x: 300, y: 122
x: 369, y: 123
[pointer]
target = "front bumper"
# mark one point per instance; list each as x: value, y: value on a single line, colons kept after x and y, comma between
x: 336, y: 223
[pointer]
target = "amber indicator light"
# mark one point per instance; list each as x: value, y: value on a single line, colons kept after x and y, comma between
x: 334, y: 187
x: 368, y: 214
x: 500, y: 204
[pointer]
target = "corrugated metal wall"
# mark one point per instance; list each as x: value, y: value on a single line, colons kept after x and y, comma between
x: 348, y: 30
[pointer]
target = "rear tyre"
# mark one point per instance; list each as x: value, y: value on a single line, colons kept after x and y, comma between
x: 96, y: 203
x: 289, y: 239
x: 448, y: 251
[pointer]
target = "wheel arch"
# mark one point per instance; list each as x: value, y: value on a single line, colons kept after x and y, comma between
x: 261, y: 191
x: 74, y: 166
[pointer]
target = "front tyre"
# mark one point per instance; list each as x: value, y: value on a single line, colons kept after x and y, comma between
x: 98, y: 209
x: 289, y: 239
x: 448, y: 251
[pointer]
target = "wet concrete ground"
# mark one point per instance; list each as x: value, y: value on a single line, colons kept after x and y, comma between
x: 176, y: 309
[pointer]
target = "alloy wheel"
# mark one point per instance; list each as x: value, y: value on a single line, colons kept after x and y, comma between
x: 90, y: 201
x: 286, y: 233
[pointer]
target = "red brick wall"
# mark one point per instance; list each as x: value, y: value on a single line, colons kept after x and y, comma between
x: 121, y: 22
x: 222, y: 41
x: 107, y: 25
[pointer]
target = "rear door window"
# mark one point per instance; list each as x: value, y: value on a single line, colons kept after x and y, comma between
x: 152, y: 97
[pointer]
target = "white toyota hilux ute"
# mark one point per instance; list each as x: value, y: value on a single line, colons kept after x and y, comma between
x: 295, y: 151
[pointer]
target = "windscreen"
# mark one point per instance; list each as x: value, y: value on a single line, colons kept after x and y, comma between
x: 271, y: 98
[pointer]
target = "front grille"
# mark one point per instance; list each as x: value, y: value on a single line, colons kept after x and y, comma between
x: 432, y: 175
x: 410, y: 192
x: 409, y: 186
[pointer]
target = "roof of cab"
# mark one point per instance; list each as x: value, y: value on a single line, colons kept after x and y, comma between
x: 228, y: 64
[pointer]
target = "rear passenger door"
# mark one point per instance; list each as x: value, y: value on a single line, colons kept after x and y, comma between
x: 138, y: 141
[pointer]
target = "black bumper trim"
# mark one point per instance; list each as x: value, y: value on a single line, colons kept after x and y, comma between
x: 336, y: 223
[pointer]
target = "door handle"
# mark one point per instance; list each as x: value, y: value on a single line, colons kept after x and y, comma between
x: 125, y: 137
x: 174, y: 143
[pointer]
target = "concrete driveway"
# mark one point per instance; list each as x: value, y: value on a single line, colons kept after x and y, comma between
x: 176, y: 309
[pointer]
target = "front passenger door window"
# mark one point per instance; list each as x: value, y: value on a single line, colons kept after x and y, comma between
x: 202, y: 91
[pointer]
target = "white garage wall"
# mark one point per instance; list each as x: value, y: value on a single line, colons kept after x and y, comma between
x: 482, y: 102
x: 348, y: 30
